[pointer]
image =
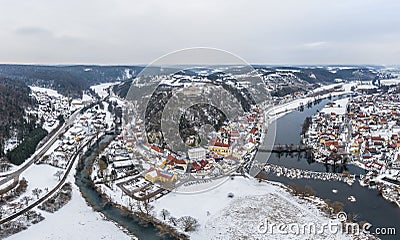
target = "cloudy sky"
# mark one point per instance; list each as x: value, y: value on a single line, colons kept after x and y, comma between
x: 139, y: 31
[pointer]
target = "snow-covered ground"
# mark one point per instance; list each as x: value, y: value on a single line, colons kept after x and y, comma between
x: 86, y: 98
x: 75, y: 220
x: 102, y: 89
x: 326, y: 87
x: 222, y: 217
x: 390, y: 81
x: 118, y: 100
x: 49, y: 128
x: 48, y: 91
x: 339, y: 107
x: 40, y: 176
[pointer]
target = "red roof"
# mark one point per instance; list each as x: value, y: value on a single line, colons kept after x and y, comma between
x: 329, y: 143
x: 176, y: 161
x: 253, y: 130
x: 377, y: 138
x: 179, y: 161
x: 220, y: 144
x: 203, y: 162
x: 377, y: 165
x: 251, y: 140
x: 157, y: 149
x: 171, y: 157
x: 196, y: 166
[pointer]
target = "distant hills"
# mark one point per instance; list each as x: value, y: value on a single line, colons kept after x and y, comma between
x: 67, y: 80
x: 283, y: 79
x: 72, y: 80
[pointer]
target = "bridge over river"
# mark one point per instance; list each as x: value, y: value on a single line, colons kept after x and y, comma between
x: 286, y: 148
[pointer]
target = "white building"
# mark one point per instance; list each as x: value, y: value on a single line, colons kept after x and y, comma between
x: 197, y: 153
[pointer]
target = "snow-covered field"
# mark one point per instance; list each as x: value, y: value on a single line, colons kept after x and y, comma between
x: 390, y: 81
x: 40, y: 176
x: 339, y: 107
x: 86, y: 98
x: 102, y: 89
x: 48, y: 91
x: 76, y: 220
x: 326, y: 87
x: 222, y: 217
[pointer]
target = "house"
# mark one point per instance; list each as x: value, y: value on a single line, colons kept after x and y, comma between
x: 221, y: 150
x: 177, y: 163
x: 253, y: 130
x: 196, y: 166
x: 331, y: 143
x: 157, y: 150
x: 220, y: 146
x: 153, y: 175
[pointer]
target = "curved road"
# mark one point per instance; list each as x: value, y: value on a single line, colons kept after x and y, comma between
x: 51, y: 192
x: 38, y: 154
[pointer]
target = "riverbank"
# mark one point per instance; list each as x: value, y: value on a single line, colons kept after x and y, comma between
x: 236, y: 208
x: 127, y: 218
x: 280, y: 110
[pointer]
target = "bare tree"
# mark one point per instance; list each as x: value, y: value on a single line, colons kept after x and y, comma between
x: 36, y: 192
x: 59, y: 174
x: 26, y: 199
x: 188, y: 223
x: 173, y: 220
x: 145, y: 207
x: 55, y: 162
x: 164, y: 213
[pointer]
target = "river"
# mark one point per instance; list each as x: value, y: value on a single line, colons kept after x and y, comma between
x: 369, y: 205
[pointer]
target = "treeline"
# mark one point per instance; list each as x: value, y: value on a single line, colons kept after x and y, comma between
x: 14, y: 99
x: 28, y: 146
x: 69, y: 81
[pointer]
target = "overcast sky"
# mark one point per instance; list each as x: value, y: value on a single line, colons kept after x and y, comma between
x: 139, y: 31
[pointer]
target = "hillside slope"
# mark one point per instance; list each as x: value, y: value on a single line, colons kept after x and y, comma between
x: 14, y: 99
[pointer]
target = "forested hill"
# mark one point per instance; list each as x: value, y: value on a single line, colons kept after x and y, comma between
x: 14, y: 99
x: 67, y: 80
x: 286, y: 79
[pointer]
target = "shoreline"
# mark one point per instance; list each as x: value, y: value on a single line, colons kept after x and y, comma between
x: 106, y: 200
